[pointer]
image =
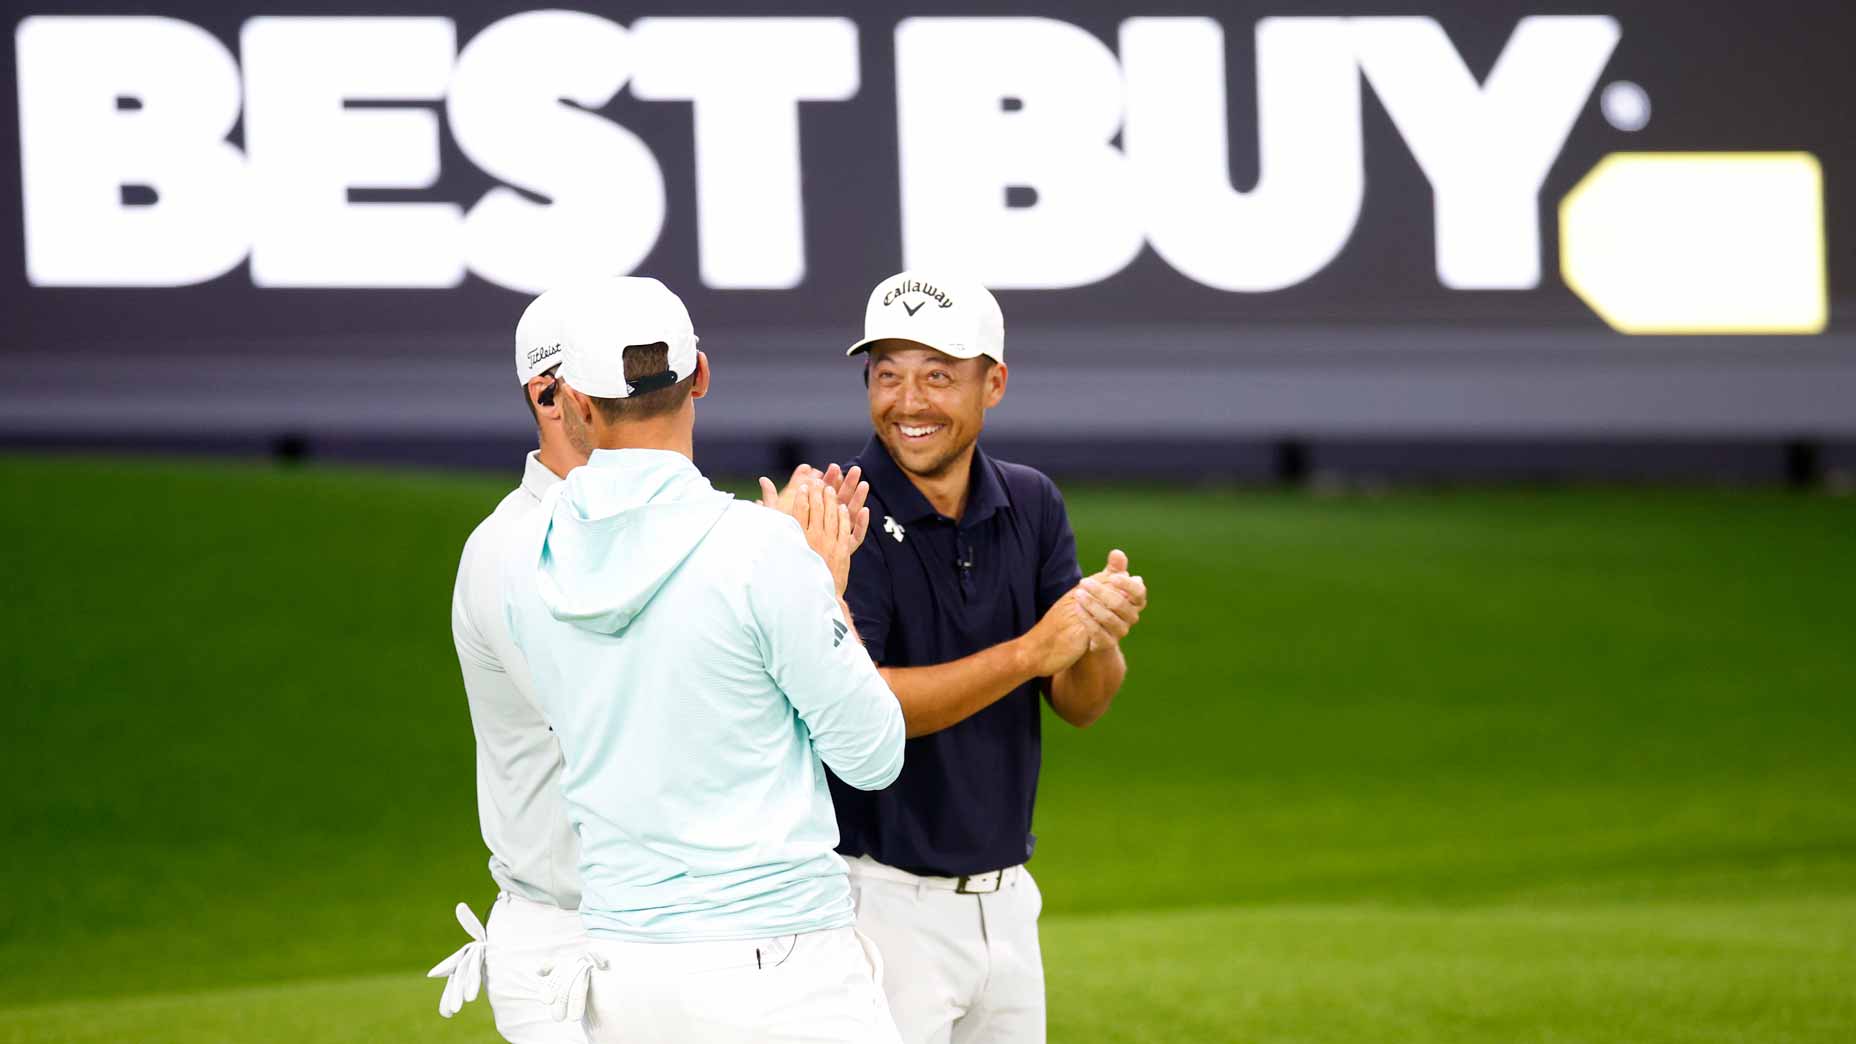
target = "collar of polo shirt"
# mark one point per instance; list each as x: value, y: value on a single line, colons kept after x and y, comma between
x: 904, y: 503
x: 536, y: 478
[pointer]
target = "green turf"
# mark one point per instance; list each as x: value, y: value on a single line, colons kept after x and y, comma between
x: 1761, y: 970
x: 1520, y: 766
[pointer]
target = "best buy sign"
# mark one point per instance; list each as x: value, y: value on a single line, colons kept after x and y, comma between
x: 130, y: 177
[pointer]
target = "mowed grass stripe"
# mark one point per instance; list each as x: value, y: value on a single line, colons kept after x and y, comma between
x: 1640, y: 974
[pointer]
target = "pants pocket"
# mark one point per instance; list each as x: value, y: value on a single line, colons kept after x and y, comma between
x: 1035, y: 895
x: 872, y: 956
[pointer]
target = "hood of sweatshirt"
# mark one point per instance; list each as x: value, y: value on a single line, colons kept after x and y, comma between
x: 619, y: 527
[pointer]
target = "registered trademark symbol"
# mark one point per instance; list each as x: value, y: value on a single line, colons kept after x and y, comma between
x: 1625, y: 105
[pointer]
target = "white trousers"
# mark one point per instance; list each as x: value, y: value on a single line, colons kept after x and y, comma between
x: 961, y: 969
x: 819, y: 988
x: 525, y: 940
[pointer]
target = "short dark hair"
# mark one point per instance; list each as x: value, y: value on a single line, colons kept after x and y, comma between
x: 530, y: 402
x: 645, y: 360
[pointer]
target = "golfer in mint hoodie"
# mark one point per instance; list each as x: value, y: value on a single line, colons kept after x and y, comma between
x: 694, y: 655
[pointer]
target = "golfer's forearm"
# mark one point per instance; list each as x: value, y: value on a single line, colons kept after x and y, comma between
x: 1082, y: 692
x: 935, y: 697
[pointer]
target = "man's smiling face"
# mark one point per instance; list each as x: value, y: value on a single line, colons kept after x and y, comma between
x: 928, y: 407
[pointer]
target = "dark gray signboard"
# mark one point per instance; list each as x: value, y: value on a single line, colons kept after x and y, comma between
x: 1251, y: 220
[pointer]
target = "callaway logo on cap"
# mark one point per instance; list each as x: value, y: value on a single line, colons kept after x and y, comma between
x: 957, y: 317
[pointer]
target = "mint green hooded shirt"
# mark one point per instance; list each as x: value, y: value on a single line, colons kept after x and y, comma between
x: 689, y: 652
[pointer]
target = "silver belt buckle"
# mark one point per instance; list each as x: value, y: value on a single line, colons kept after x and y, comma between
x: 998, y: 882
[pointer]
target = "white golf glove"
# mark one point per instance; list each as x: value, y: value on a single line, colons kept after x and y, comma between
x: 567, y: 993
x: 463, y: 970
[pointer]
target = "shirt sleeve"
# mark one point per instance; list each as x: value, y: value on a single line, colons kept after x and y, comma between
x: 854, y: 718
x: 467, y: 635
x: 1058, y: 572
x: 871, y: 598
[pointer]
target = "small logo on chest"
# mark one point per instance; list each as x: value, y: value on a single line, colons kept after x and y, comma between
x: 891, y: 527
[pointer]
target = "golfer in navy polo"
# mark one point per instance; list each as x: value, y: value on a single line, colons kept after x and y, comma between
x: 968, y: 597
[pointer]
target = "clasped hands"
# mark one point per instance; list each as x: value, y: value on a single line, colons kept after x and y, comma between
x: 1093, y: 616
x: 829, y: 507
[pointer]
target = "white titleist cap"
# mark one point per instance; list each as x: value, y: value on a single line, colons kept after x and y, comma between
x: 538, y: 336
x: 600, y: 318
x: 956, y: 317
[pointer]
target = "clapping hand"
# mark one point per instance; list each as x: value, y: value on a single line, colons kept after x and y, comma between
x: 850, y: 491
x: 1113, y: 600
x: 828, y: 528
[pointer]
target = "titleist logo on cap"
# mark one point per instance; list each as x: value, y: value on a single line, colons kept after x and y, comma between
x: 916, y: 286
x: 536, y: 355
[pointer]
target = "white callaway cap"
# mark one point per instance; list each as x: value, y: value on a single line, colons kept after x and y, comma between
x: 957, y: 317
x: 538, y: 336
x: 600, y: 318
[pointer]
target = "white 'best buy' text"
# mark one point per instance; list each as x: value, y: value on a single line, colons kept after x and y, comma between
x: 151, y: 103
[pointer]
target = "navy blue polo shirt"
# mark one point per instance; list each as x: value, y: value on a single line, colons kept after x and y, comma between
x: 926, y: 590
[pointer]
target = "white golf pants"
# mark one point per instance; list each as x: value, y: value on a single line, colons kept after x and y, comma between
x: 961, y: 968
x: 822, y: 987
x: 525, y: 940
